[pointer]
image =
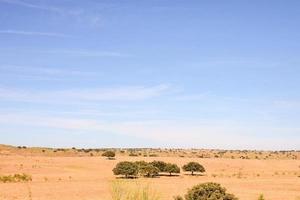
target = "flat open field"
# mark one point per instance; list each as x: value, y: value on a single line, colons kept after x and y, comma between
x: 90, y: 178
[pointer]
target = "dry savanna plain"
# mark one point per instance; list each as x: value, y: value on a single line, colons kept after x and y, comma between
x: 83, y: 174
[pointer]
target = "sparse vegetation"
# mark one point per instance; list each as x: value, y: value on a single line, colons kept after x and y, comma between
x: 261, y: 197
x: 15, y: 178
x: 133, y: 154
x: 34, y: 161
x: 178, y: 198
x: 122, y: 190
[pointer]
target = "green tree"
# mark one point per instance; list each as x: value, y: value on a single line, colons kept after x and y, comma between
x: 193, y: 167
x: 172, y: 168
x: 141, y: 163
x: 147, y: 169
x: 109, y: 154
x: 128, y: 169
x: 261, y: 197
x: 209, y: 191
x: 160, y: 165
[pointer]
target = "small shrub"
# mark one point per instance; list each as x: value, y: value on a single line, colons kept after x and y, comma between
x: 261, y: 197
x: 133, y: 154
x: 109, y: 154
x: 209, y: 191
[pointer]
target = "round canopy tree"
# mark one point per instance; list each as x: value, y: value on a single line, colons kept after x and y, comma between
x: 161, y: 165
x: 193, y: 167
x: 109, y: 154
x: 128, y: 169
x: 209, y: 191
x: 172, y: 168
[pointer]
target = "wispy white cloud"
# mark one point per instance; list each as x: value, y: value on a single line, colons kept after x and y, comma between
x: 33, y: 33
x: 80, y: 14
x: 86, y: 53
x: 31, y: 5
x: 43, y: 73
x: 130, y: 93
x: 92, y: 53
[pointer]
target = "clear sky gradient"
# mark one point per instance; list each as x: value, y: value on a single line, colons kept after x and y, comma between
x: 155, y: 73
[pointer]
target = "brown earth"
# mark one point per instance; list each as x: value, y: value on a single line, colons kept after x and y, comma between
x: 90, y: 178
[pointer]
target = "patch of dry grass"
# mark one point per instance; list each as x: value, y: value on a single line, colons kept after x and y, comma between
x: 128, y: 190
x: 15, y: 178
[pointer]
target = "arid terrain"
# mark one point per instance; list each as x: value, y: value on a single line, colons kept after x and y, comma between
x: 85, y: 175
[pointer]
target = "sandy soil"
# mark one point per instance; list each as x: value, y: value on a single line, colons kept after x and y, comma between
x: 89, y: 178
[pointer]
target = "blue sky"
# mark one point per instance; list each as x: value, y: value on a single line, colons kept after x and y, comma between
x: 157, y: 73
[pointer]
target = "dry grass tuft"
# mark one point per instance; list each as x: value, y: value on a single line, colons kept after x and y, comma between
x: 128, y: 190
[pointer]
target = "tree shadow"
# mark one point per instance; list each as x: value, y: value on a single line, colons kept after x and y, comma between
x: 189, y: 174
x: 128, y: 177
x: 168, y: 175
x: 150, y: 177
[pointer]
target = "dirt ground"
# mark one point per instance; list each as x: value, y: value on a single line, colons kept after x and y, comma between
x: 89, y: 178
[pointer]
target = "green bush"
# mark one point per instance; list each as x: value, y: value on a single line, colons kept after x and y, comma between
x: 109, y: 154
x: 209, y: 191
x: 128, y: 169
x: 193, y: 167
x: 133, y: 154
